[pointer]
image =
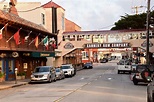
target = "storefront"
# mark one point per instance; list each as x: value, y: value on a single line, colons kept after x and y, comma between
x: 25, y: 62
x: 95, y: 51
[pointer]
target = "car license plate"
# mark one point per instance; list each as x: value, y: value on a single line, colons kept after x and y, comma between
x: 137, y: 77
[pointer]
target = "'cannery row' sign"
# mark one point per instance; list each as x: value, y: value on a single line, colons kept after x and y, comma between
x: 107, y: 45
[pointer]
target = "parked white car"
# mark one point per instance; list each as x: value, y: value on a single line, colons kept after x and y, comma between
x: 124, y: 65
x: 68, y: 69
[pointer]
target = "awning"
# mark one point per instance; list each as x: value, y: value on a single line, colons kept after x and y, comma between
x: 39, y: 54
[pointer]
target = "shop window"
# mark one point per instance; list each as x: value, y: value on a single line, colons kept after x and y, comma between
x: 63, y: 38
x: 85, y: 55
x: 1, y: 69
x: 87, y: 36
x: 143, y: 35
x: 10, y: 66
x: 150, y: 35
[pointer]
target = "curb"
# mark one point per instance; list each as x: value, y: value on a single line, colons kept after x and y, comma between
x: 13, y: 86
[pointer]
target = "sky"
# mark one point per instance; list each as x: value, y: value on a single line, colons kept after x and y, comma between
x: 97, y: 14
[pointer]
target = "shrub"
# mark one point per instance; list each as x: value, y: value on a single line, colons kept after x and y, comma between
x: 1, y: 74
x: 21, y: 74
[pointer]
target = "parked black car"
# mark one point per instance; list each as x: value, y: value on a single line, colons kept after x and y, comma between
x: 88, y: 65
x: 104, y: 60
x: 143, y: 73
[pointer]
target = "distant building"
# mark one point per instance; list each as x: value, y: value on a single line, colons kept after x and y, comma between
x: 71, y: 26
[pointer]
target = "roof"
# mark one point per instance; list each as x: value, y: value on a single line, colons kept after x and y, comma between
x: 17, y: 21
x: 72, y: 50
x: 104, y: 31
x: 72, y: 22
x: 51, y: 4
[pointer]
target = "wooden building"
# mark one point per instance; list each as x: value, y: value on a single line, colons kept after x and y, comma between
x: 22, y: 45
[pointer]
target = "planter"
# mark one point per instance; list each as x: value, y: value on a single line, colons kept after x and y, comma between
x: 20, y: 77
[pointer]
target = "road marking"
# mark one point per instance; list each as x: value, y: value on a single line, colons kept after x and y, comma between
x: 109, y: 78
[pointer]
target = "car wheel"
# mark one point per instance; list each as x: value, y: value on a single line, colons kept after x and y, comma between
x: 71, y: 74
x: 50, y: 80
x: 118, y: 71
x: 148, y: 100
x: 60, y: 77
x: 30, y: 82
x: 135, y: 81
x: 55, y: 79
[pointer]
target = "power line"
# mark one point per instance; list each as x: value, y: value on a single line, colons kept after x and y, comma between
x: 107, y: 26
x: 31, y: 9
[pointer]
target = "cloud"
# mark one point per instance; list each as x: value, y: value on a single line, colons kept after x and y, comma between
x: 97, y: 14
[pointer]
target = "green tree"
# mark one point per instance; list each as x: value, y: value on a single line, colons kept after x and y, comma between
x: 132, y: 22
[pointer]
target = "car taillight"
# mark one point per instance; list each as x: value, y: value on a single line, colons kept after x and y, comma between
x: 146, y: 74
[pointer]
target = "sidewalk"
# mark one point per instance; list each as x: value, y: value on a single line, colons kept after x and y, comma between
x: 11, y: 84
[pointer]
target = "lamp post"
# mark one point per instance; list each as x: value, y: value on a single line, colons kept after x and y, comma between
x: 147, y: 34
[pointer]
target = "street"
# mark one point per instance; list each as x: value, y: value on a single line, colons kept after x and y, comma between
x: 100, y: 84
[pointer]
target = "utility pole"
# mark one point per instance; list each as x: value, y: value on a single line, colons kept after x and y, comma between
x: 147, y: 34
x: 136, y: 8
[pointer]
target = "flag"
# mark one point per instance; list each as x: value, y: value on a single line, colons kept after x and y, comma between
x: 1, y: 31
x: 59, y: 43
x: 46, y: 42
x: 53, y: 45
x: 17, y: 37
x: 26, y: 38
x: 36, y: 41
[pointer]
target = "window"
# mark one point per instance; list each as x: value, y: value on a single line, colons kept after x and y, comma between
x: 85, y: 55
x: 10, y: 66
x: 1, y: 69
x: 43, y: 18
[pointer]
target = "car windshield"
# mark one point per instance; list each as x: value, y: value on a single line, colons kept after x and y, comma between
x: 141, y: 68
x: 88, y: 63
x: 42, y: 69
x: 124, y: 62
x: 65, y: 67
x: 57, y: 70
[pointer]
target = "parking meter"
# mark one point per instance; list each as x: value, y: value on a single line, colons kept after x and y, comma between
x: 16, y: 71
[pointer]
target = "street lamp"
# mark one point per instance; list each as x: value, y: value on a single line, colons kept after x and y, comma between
x: 147, y: 34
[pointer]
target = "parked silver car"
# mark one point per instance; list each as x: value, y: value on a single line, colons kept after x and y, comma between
x: 43, y: 74
x: 60, y: 73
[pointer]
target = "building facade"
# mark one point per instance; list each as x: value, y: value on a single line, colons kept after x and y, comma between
x: 99, y: 44
x: 22, y: 45
x: 76, y: 46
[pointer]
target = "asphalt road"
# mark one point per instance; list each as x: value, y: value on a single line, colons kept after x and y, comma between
x: 100, y: 84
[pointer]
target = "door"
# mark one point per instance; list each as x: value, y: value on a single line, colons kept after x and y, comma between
x: 8, y: 65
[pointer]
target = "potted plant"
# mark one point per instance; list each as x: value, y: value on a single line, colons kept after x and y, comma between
x: 2, y: 77
x: 21, y: 75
